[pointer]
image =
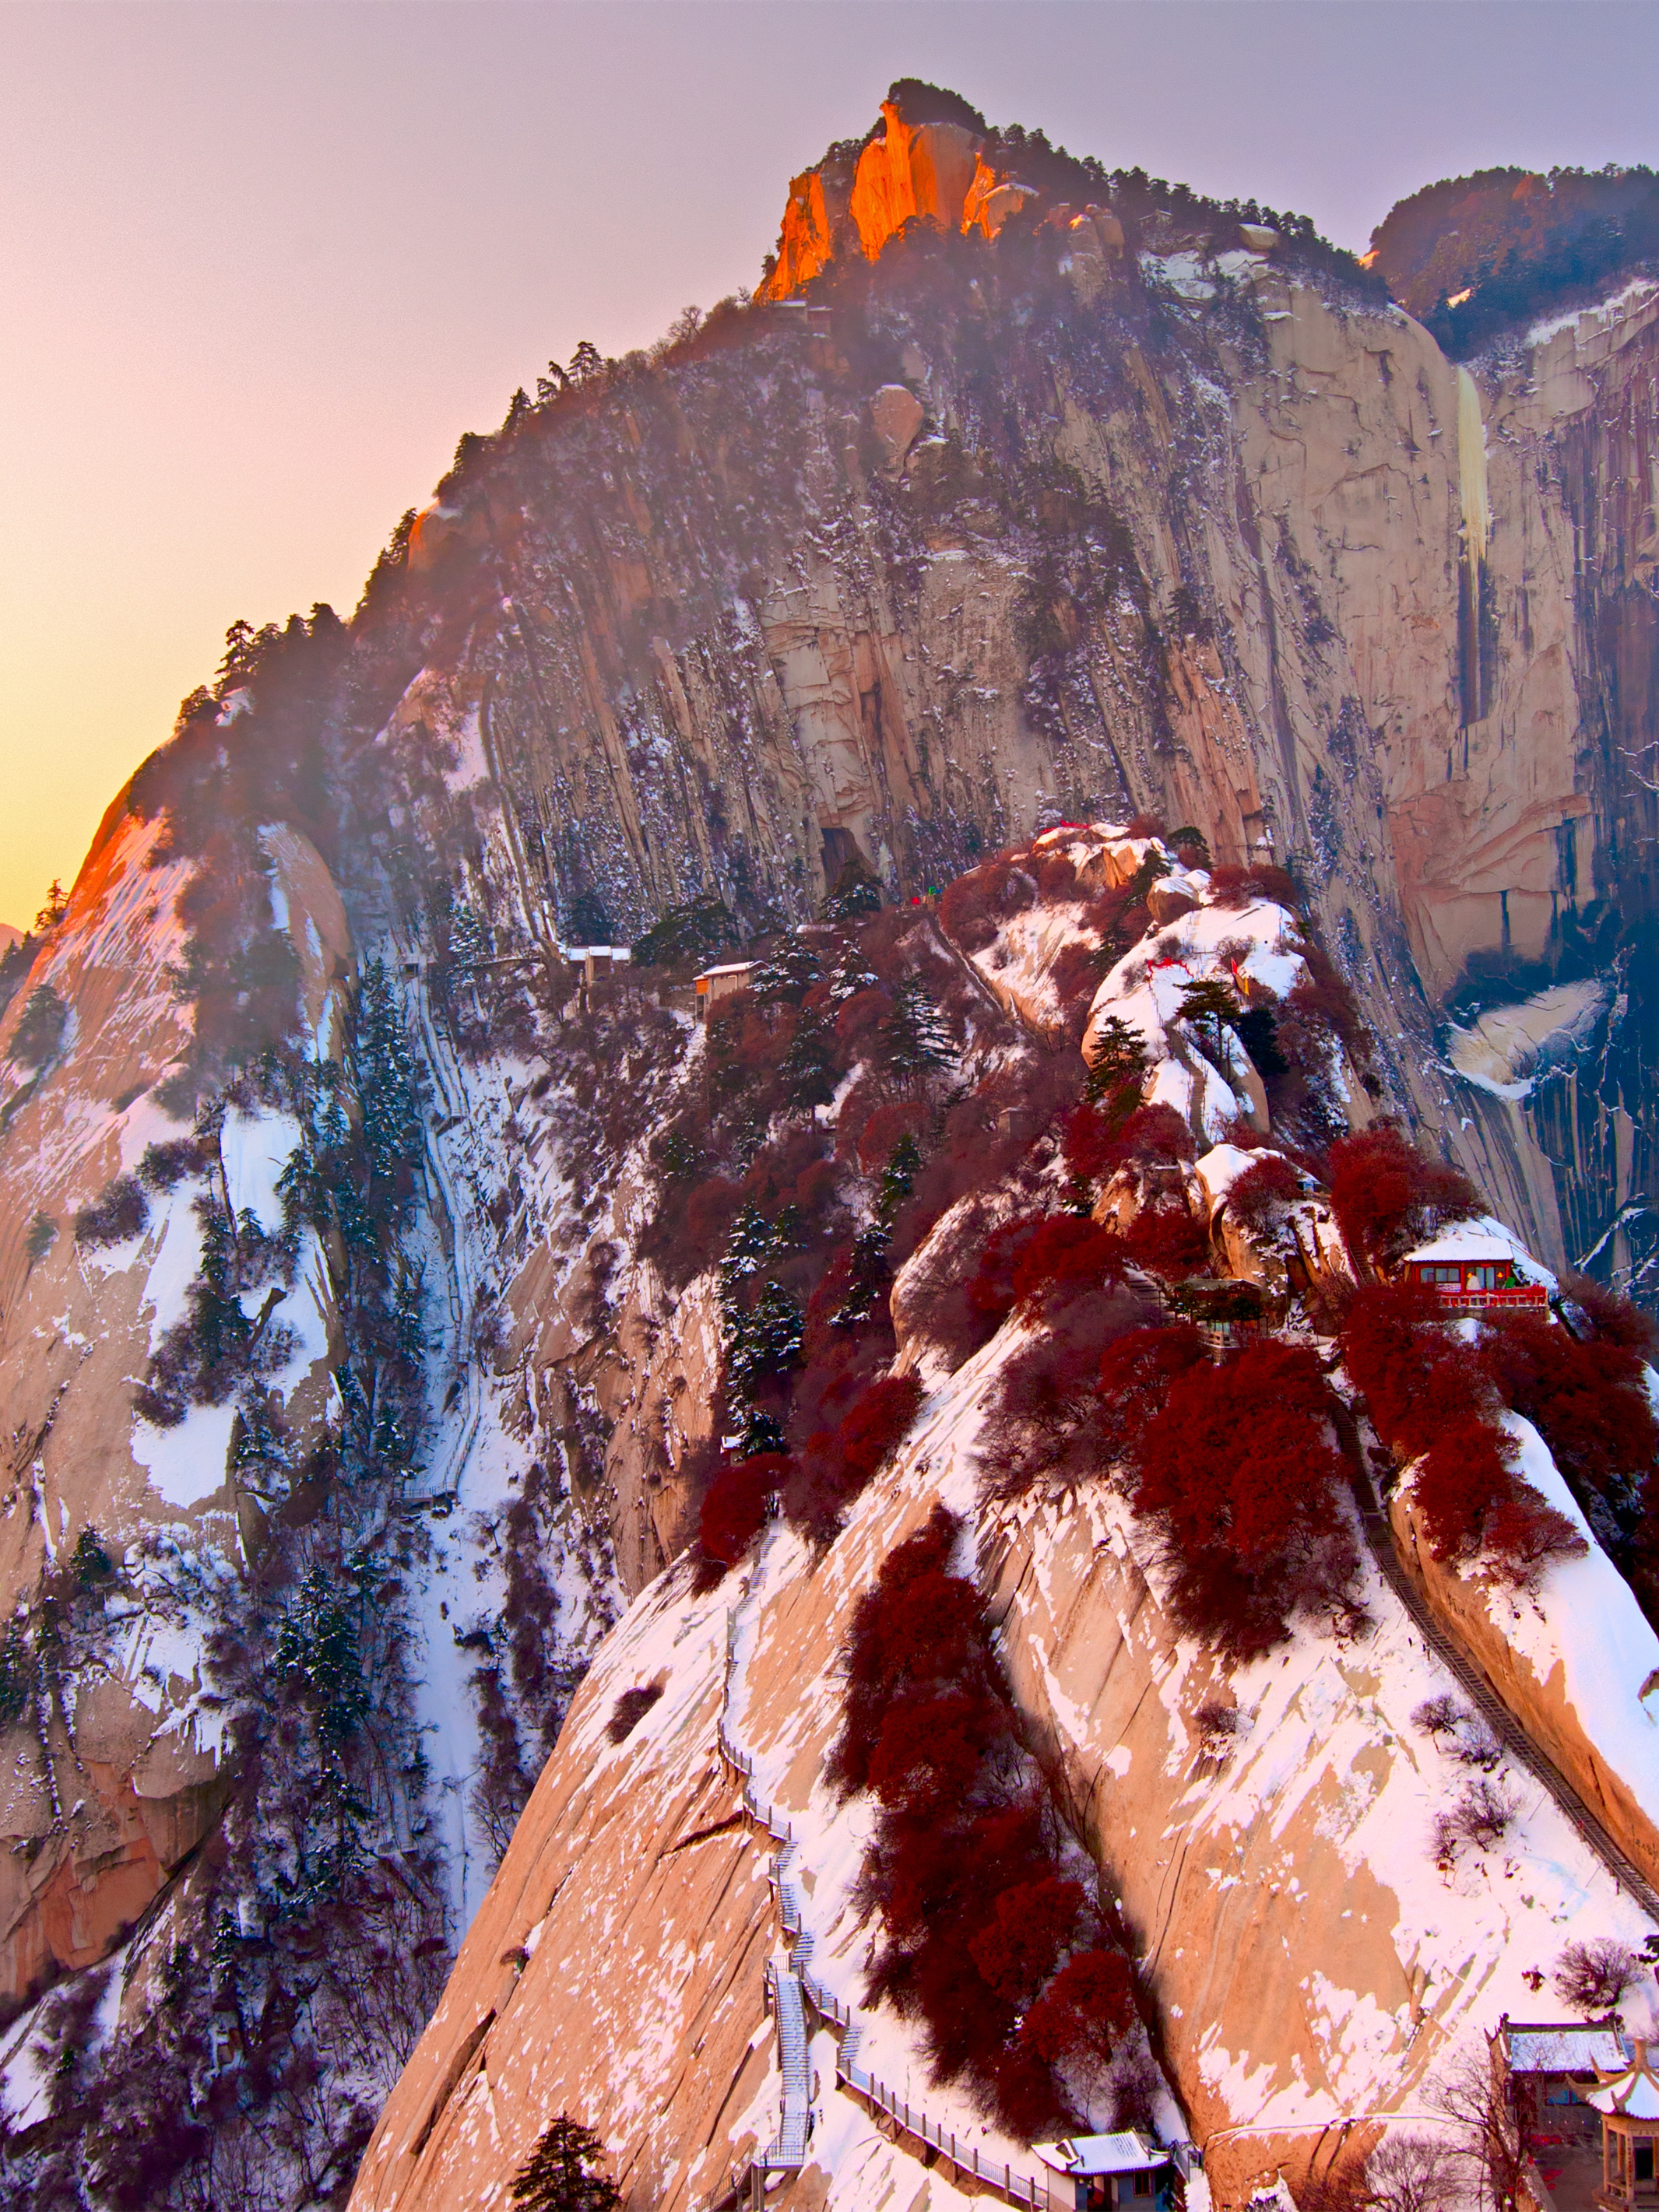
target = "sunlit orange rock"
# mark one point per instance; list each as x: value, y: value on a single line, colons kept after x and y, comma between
x: 937, y: 170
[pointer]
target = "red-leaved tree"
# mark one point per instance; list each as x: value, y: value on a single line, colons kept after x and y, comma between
x: 1387, y: 1197
x: 1240, y: 1475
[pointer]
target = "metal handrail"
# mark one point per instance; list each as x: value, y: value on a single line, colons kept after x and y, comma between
x: 1021, y: 2188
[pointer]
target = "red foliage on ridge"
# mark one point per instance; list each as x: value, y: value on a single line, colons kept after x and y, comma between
x: 977, y: 1916
x: 734, y: 1508
x: 1239, y: 1473
x: 1266, y: 1185
x: 1386, y: 1196
x: 838, y: 1463
x: 1433, y: 1403
x: 1168, y: 1241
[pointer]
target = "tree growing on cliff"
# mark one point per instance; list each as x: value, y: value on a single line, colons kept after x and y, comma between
x: 561, y: 2174
x: 1119, y: 1063
x: 39, y: 1029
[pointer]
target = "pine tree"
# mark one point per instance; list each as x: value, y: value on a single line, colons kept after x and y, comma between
x: 39, y: 1029
x: 869, y: 1276
x: 855, y: 896
x: 586, y: 363
x: 52, y: 912
x: 851, y: 974
x: 768, y: 1342
x: 763, y: 1334
x: 1208, y: 1004
x: 750, y: 1245
x: 468, y: 938
x: 786, y: 978
x: 808, y: 1068
x: 1120, y: 1060
x: 561, y: 2173
x: 388, y: 1086
x: 898, y: 1178
x: 915, y: 1035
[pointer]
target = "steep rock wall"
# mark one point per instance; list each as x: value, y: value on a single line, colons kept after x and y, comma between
x: 1308, y: 1967
x: 1216, y: 542
x: 110, y: 1769
x: 1574, y: 1659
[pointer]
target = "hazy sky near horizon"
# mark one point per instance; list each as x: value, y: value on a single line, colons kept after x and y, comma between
x: 261, y: 265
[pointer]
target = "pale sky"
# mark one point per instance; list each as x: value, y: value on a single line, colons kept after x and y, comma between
x: 261, y: 265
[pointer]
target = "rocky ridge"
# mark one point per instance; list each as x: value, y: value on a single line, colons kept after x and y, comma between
x: 1030, y: 509
x: 1309, y: 1965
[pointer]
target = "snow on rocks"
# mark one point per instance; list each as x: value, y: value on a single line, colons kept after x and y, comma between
x: 1309, y: 1959
x: 255, y: 1148
x: 1576, y: 1661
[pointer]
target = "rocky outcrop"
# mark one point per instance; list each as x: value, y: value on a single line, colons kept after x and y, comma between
x: 1307, y: 1967
x: 936, y: 170
x: 1573, y: 1660
x: 111, y: 1776
x: 634, y: 1876
x: 1232, y: 547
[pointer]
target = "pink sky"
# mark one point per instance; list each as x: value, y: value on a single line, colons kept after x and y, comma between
x: 264, y: 263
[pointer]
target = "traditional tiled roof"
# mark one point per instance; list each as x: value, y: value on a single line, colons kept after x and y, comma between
x: 1632, y: 2093
x: 1565, y: 2048
x: 1124, y: 2153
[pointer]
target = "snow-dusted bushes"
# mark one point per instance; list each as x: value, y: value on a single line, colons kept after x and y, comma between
x: 1431, y: 1402
x: 40, y: 1030
x: 836, y: 1464
x: 119, y: 1211
x: 989, y: 1939
x: 1232, y: 1465
x: 1593, y: 1977
x: 1238, y: 1473
x: 973, y: 907
x: 630, y: 1709
x: 1049, y: 1423
x: 502, y: 1788
x: 1481, y: 1815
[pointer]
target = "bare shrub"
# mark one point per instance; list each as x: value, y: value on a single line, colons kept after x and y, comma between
x: 1439, y: 1715
x: 1484, y: 1813
x: 1485, y: 2150
x: 1410, y: 2173
x: 1446, y: 1841
x: 1593, y: 1977
x: 1475, y: 1745
x: 119, y: 1211
x: 1219, y: 1730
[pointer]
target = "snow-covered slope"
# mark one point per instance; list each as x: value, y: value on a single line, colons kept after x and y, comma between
x: 1310, y: 1963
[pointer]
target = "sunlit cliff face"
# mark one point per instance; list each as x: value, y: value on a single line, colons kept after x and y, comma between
x: 936, y: 170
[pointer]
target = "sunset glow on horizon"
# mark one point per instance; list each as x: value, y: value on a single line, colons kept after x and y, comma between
x: 266, y: 263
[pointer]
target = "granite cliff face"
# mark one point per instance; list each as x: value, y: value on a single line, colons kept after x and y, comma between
x: 1020, y: 495
x: 1311, y: 1969
x: 1212, y: 542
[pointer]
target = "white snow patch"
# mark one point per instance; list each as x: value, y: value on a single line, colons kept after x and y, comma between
x: 187, y: 1464
x: 1606, y: 311
x: 256, y: 1148
x: 1585, y: 1633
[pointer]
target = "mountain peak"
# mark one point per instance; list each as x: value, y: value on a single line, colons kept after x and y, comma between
x: 925, y: 159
